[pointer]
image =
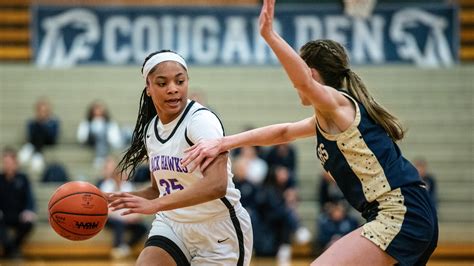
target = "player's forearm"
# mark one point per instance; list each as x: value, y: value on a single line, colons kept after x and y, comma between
x: 295, y: 67
x: 212, y: 186
x: 147, y: 193
x: 263, y: 136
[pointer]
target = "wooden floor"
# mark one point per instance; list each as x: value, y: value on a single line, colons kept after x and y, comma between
x: 255, y: 262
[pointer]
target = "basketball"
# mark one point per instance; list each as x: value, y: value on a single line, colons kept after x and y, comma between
x: 77, y: 210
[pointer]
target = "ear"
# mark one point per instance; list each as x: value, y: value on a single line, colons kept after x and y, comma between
x: 147, y: 91
x: 315, y: 75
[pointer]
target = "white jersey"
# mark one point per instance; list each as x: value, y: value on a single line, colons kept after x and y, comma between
x: 165, y: 145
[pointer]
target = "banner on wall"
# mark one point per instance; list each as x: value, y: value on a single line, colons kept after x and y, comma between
x: 424, y: 35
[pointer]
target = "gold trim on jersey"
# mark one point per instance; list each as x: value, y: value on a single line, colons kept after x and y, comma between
x: 361, y: 159
x: 389, y: 220
x: 375, y: 185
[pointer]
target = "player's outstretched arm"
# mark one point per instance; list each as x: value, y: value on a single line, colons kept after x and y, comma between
x: 203, y: 152
x: 325, y: 98
x: 212, y: 186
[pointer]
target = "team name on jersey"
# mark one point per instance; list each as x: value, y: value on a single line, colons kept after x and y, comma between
x: 165, y: 162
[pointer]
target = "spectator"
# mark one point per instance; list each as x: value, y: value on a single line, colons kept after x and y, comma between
x: 427, y: 177
x: 100, y: 132
x: 329, y: 192
x: 55, y: 172
x: 248, y: 196
x: 42, y: 131
x: 256, y: 167
x: 17, y: 206
x: 112, y: 182
x: 278, y: 211
x: 285, y: 155
x: 142, y: 174
x: 333, y: 224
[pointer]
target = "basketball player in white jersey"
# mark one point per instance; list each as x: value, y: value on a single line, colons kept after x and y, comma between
x: 199, y: 218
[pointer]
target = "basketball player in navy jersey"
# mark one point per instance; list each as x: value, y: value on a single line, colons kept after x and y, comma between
x: 356, y: 145
x: 199, y: 218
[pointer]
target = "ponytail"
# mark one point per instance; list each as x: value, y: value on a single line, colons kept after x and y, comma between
x: 137, y: 153
x: 389, y: 122
x: 330, y: 59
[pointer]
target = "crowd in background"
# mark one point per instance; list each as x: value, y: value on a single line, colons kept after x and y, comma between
x: 267, y: 178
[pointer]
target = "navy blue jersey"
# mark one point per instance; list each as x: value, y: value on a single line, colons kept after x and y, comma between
x: 364, y: 160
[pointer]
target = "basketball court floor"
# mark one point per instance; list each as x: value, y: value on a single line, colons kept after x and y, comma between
x: 255, y: 262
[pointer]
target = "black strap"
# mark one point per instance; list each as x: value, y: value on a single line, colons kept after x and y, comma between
x: 169, y: 246
x: 238, y: 230
x: 176, y: 127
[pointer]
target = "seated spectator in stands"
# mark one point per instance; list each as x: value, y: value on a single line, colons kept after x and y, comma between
x: 248, y: 196
x: 17, y: 206
x: 112, y: 182
x: 278, y: 214
x: 329, y: 192
x: 284, y: 154
x: 427, y: 177
x: 55, y: 172
x: 142, y: 174
x: 256, y: 167
x: 42, y: 131
x: 248, y: 190
x: 100, y: 132
x: 333, y: 224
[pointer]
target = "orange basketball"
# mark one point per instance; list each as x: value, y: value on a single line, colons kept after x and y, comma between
x: 77, y: 210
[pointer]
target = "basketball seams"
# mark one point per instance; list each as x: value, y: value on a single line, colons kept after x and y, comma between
x: 70, y: 217
x: 79, y: 214
x: 75, y: 193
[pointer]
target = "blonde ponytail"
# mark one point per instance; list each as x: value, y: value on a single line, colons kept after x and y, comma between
x: 330, y: 59
x: 389, y: 122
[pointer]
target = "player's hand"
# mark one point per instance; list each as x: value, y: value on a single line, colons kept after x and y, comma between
x: 109, y: 196
x: 266, y: 17
x: 201, y: 154
x: 132, y: 204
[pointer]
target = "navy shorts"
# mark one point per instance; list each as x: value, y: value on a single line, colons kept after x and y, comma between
x: 404, y: 223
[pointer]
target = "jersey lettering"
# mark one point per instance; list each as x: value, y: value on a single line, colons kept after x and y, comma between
x: 322, y: 153
x: 164, y: 162
x: 170, y: 185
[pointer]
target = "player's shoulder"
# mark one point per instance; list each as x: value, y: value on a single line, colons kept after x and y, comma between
x: 199, y: 111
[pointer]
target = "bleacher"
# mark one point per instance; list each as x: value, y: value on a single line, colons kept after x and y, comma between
x: 437, y: 113
x: 435, y: 104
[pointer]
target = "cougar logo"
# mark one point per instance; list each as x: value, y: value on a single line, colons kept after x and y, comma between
x: 53, y: 49
x: 434, y: 51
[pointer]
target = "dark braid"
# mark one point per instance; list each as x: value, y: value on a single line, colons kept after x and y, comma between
x: 137, y: 153
x: 332, y: 63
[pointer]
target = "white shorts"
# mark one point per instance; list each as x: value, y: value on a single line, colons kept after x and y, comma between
x: 224, y: 240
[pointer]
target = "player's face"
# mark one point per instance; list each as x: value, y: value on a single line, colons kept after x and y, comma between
x: 9, y: 163
x: 168, y: 88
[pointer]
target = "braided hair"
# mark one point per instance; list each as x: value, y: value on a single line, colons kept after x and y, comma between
x: 137, y: 152
x: 332, y: 63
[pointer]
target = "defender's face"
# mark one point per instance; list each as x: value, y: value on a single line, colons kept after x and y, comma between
x: 168, y: 88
